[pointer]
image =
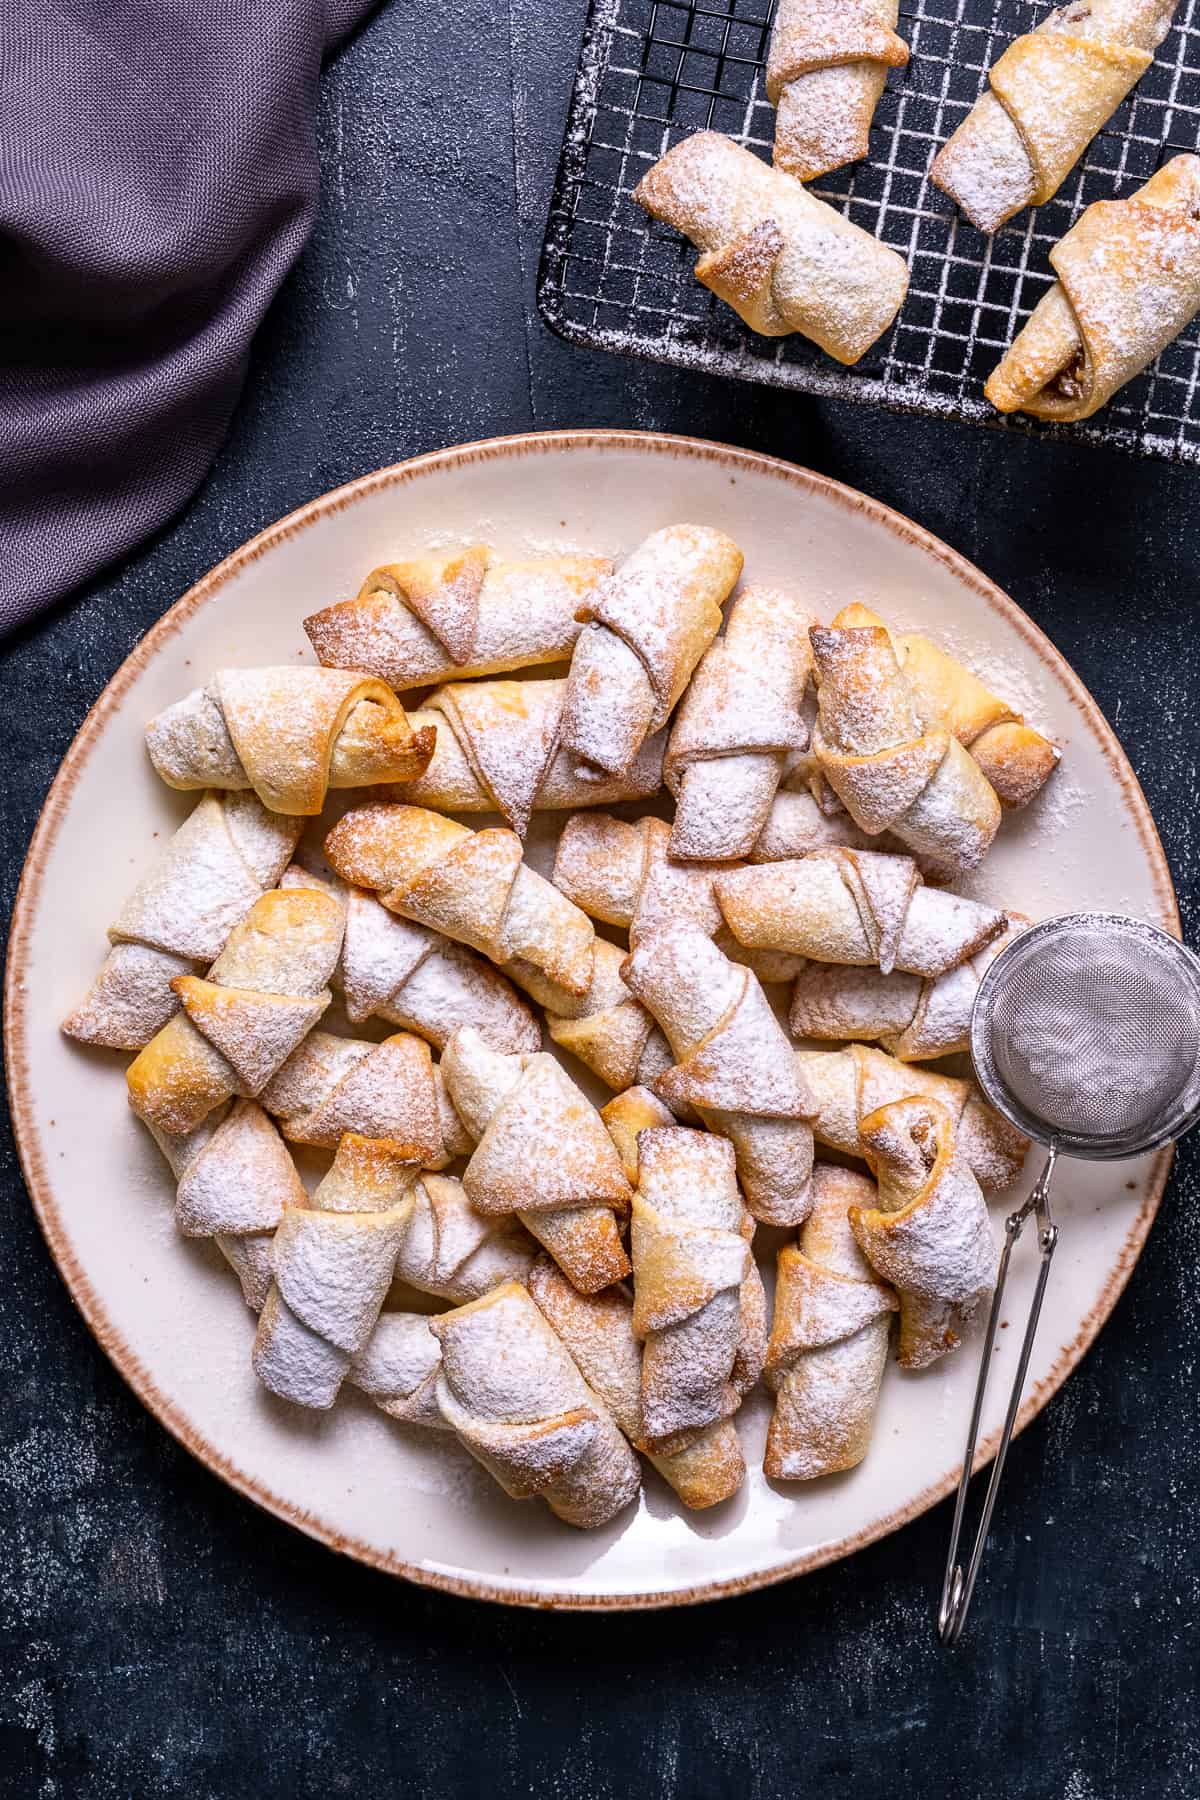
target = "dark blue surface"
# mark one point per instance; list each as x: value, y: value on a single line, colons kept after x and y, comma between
x: 160, y: 1636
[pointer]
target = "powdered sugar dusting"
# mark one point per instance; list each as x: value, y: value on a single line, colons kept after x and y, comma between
x: 930, y: 1235
x: 520, y: 1405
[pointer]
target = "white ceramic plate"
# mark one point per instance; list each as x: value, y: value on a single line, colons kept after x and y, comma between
x: 167, y: 1311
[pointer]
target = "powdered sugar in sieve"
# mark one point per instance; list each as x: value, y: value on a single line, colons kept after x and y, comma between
x: 1087, y: 1033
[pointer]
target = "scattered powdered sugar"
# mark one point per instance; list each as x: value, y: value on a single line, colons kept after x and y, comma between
x: 451, y: 988
x: 455, y: 1252
x: 745, y: 696
x: 931, y: 1237
x: 689, y: 1262
x: 132, y: 997
x: 754, y: 1095
x: 734, y: 1061
x: 890, y: 775
x: 240, y: 1179
x: 526, y: 616
x: 398, y: 1368
x: 829, y: 1338
x: 985, y: 167
x: 518, y: 1402
x: 225, y: 854
x: 337, y: 1085
x: 609, y: 706
x: 665, y: 602
x: 416, y: 979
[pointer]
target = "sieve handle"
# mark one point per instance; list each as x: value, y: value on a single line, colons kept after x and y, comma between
x: 958, y: 1588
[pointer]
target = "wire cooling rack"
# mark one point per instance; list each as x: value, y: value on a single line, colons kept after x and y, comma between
x: 653, y: 71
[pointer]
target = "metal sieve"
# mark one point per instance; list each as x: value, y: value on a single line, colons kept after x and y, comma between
x: 1085, y: 1035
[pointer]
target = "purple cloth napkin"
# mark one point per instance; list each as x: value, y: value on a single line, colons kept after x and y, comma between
x: 158, y: 178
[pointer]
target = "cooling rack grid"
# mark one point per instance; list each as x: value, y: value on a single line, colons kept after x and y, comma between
x: 653, y: 71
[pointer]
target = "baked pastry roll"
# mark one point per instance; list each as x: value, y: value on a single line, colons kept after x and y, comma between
x: 638, y: 1109
x: 610, y: 1032
x: 597, y: 1329
x: 849, y: 1084
x: 811, y: 817
x: 445, y: 617
x: 471, y: 886
x: 262, y: 995
x: 332, y: 1263
x: 1051, y: 92
x: 733, y: 1064
x: 398, y: 1369
x: 510, y: 1390
x: 855, y: 906
x: 542, y: 1152
x: 1128, y: 283
x: 736, y: 725
x: 415, y: 978
x: 452, y: 1250
x: 887, y: 769
x: 290, y: 734
x: 475, y: 886
x: 229, y: 850
x: 781, y: 258
x: 646, y: 627
x: 929, y: 1235
x: 498, y: 750
x: 235, y: 1182
x: 829, y: 1338
x: 1016, y: 759
x: 623, y: 874
x: 690, y: 1258
x: 393, y: 1090
x: 826, y: 68
x: 629, y: 1117
x: 796, y: 825
x: 914, y: 1019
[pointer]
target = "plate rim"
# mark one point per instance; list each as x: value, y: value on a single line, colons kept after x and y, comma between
x: 53, y: 812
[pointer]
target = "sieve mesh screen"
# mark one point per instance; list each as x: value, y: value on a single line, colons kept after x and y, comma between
x: 1095, y: 1030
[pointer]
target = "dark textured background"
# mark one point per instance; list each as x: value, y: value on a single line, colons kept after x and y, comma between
x: 160, y: 1636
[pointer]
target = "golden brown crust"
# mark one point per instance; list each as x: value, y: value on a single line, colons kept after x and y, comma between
x: 829, y: 1339
x: 849, y: 1084
x: 826, y: 69
x: 542, y: 1153
x: 929, y: 1235
x: 1049, y: 93
x: 331, y: 1085
x: 624, y: 874
x: 914, y: 1019
x: 690, y: 1260
x: 733, y: 1064
x: 1015, y: 759
x: 511, y: 1391
x: 888, y: 769
x: 228, y: 851
x: 598, y: 1331
x: 783, y: 259
x: 1128, y: 283
x: 290, y: 734
x: 263, y: 994
x: 498, y: 750
x: 471, y: 886
x: 855, y: 906
x: 737, y: 724
x: 649, y: 624
x: 516, y: 614
x: 235, y: 1182
x: 333, y: 1262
